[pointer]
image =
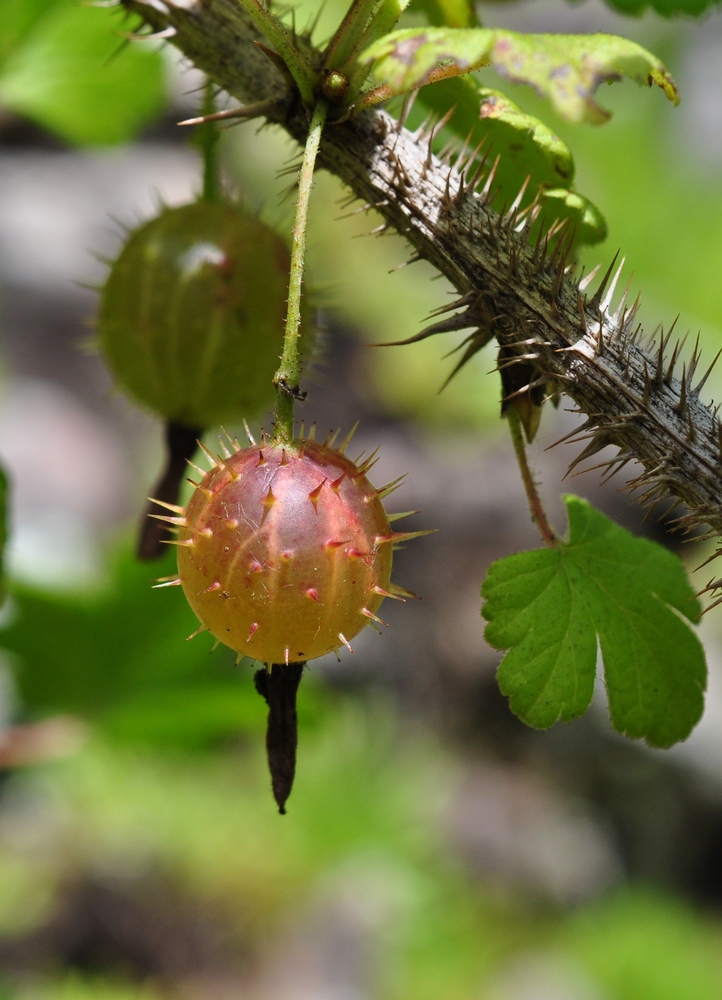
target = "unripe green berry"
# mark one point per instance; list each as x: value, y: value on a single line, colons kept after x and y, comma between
x: 191, y: 317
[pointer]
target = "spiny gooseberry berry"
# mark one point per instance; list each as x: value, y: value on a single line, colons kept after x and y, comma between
x: 190, y: 319
x: 284, y: 551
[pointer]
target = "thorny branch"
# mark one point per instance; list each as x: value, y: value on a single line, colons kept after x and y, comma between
x: 524, y: 295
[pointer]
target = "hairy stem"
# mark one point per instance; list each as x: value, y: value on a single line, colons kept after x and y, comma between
x: 631, y: 396
x: 538, y: 514
x: 289, y: 371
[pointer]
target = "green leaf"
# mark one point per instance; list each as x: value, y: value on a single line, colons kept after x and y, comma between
x: 70, y: 75
x: 525, y: 146
x: 551, y: 608
x: 565, y: 68
x: 3, y: 530
x: 452, y: 13
x: 587, y: 221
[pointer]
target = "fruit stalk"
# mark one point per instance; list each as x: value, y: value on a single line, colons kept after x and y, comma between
x: 181, y: 444
x: 289, y: 371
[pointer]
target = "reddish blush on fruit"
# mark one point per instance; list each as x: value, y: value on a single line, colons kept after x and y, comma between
x: 285, y: 551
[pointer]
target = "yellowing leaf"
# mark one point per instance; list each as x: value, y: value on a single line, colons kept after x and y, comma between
x: 565, y: 68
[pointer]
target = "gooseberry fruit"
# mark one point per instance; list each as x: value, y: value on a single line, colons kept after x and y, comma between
x: 190, y: 319
x: 284, y: 551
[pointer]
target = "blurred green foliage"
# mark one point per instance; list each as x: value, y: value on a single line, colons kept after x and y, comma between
x: 64, y: 66
x: 366, y: 819
x: 77, y: 987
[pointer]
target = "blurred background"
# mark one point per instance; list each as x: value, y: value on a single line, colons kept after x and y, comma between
x: 434, y: 846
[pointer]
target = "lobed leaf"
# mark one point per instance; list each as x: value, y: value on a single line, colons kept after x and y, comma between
x: 565, y: 68
x: 603, y: 588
